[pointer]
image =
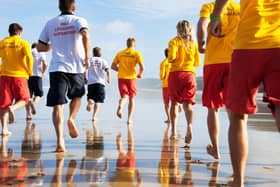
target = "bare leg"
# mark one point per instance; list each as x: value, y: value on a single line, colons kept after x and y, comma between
x: 173, y: 117
x: 28, y: 113
x: 131, y: 105
x: 189, y: 117
x: 58, y: 120
x: 19, y: 104
x: 238, y: 143
x: 120, y: 107
x: 57, y: 177
x: 74, y: 109
x: 130, y: 140
x: 36, y: 99
x: 4, y: 119
x: 89, y: 104
x: 277, y: 117
x: 95, y: 110
x: 213, y: 130
x: 167, y: 112
x: 70, y: 173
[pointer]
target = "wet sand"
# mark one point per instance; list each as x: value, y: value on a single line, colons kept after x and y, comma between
x: 109, y: 153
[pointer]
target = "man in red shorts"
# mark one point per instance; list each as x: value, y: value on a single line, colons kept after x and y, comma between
x: 217, y: 59
x: 17, y: 64
x: 255, y: 59
x: 125, y: 64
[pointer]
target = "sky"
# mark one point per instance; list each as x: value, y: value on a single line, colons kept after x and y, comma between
x: 111, y: 22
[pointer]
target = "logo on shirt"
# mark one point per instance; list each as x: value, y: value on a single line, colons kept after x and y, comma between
x: 64, y: 29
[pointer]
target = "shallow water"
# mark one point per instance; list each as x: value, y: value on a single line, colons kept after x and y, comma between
x: 158, y: 161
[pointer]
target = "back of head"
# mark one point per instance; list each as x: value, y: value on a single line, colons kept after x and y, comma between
x: 166, y: 52
x: 34, y: 45
x: 184, y: 30
x: 15, y: 29
x: 97, y: 51
x: 66, y: 5
x: 130, y: 42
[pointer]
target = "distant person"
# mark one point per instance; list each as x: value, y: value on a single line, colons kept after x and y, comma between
x: 68, y: 37
x: 217, y: 58
x: 125, y: 63
x: 98, y: 74
x: 35, y: 82
x: 184, y: 56
x: 255, y: 59
x: 17, y: 65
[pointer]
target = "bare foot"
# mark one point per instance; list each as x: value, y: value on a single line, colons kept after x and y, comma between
x: 11, y: 115
x: 188, y: 137
x: 211, y: 151
x: 89, y: 106
x: 173, y: 136
x: 129, y: 122
x: 60, y: 149
x: 73, y: 131
x: 119, y: 112
x: 6, y: 133
x: 33, y: 110
x: 28, y: 117
x: 167, y: 121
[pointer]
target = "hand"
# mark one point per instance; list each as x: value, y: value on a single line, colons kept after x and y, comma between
x: 216, y: 28
x: 139, y: 76
x: 108, y: 81
x: 86, y: 63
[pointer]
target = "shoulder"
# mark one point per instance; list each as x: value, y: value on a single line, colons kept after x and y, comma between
x: 207, y: 9
x: 174, y: 41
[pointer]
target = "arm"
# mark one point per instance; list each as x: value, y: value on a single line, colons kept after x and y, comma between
x: 215, y: 24
x: 162, y: 72
x: 29, y: 59
x: 141, y: 70
x: 86, y: 43
x: 115, y: 67
x: 202, y: 26
x: 108, y: 76
x: 44, y: 67
x: 43, y: 47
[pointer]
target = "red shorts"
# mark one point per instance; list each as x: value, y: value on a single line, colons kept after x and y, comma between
x: 127, y: 87
x: 165, y: 95
x: 248, y: 69
x: 182, y: 86
x: 13, y: 88
x: 215, y: 82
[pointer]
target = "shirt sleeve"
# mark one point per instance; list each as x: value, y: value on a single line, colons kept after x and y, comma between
x: 105, y: 65
x: 206, y: 10
x: 44, y: 36
x: 27, y: 52
x: 82, y: 24
x: 162, y: 71
x: 116, y: 59
x: 139, y: 58
x: 196, y: 56
x: 172, y: 50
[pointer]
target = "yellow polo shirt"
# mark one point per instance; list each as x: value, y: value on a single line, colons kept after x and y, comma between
x: 164, y: 72
x: 219, y: 50
x: 259, y: 25
x: 183, y: 58
x: 17, y: 60
x: 127, y: 60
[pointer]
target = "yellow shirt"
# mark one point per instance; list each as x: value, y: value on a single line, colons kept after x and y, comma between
x: 127, y: 60
x: 183, y: 58
x: 259, y: 25
x: 16, y: 57
x: 164, y: 72
x: 219, y: 50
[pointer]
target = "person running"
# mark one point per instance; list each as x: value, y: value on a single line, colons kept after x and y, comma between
x: 184, y: 56
x: 255, y: 60
x: 68, y: 37
x: 125, y: 63
x: 17, y: 63
x: 35, y: 82
x: 216, y: 66
x: 96, y: 81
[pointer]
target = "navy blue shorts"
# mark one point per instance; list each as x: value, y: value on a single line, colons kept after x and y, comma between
x: 35, y: 85
x: 62, y: 84
x: 96, y: 92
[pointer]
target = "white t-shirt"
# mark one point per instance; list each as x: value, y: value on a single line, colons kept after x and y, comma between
x: 96, y: 71
x: 38, y: 59
x: 63, y: 33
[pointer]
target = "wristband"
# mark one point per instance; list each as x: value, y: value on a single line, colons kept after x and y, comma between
x: 215, y: 18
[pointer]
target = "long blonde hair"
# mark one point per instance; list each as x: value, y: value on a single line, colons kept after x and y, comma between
x: 184, y: 31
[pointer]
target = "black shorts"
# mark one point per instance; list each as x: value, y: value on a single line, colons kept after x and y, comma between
x: 65, y: 83
x: 96, y: 92
x: 35, y: 85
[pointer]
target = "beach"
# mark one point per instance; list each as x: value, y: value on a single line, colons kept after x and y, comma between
x: 92, y: 158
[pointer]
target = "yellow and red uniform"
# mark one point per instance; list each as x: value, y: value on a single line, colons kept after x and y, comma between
x: 127, y: 60
x: 164, y: 74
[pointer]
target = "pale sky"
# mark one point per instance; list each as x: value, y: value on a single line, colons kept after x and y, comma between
x: 151, y: 22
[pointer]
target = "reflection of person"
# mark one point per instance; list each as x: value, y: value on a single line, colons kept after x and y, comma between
x: 216, y: 65
x: 125, y: 167
x: 125, y: 63
x: 96, y: 80
x: 214, y: 167
x: 31, y: 151
x: 94, y: 166
x: 35, y: 82
x: 16, y: 67
x: 255, y: 59
x: 163, y: 166
x: 184, y: 57
x: 68, y: 37
x: 187, y: 178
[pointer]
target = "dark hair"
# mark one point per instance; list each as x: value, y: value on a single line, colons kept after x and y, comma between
x: 14, y: 29
x: 130, y: 41
x: 97, y: 51
x: 65, y: 5
x: 166, y: 52
x: 34, y: 45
